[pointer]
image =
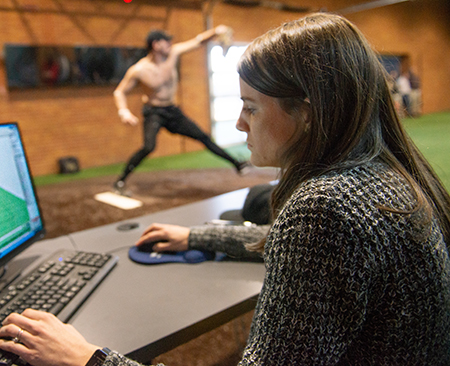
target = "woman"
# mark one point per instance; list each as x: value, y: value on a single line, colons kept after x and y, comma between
x: 358, y: 271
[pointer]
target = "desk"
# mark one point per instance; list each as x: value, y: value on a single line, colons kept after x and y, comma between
x: 142, y: 311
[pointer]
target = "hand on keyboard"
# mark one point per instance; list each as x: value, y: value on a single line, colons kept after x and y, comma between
x: 45, y: 341
x: 58, y: 286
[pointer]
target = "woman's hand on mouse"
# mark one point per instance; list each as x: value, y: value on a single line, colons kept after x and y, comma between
x: 44, y: 340
x: 172, y: 238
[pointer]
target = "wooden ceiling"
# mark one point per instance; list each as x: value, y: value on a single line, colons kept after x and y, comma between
x: 281, y: 5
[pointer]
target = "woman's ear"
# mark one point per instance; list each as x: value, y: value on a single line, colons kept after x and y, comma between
x: 306, y: 114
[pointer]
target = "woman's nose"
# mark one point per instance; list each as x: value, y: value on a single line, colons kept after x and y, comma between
x: 241, y: 125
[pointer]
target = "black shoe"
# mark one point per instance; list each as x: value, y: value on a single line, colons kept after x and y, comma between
x: 243, y: 167
x: 120, y: 189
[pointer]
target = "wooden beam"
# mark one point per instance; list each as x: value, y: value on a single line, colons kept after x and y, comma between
x: 368, y: 6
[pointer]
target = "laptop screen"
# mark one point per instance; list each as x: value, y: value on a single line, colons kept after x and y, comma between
x: 21, y: 223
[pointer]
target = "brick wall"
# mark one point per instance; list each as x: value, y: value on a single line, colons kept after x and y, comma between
x: 83, y: 121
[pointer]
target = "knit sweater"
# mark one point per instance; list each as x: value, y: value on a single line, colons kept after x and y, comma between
x: 346, y: 283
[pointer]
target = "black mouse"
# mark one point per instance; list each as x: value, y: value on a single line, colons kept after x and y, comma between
x: 148, y: 247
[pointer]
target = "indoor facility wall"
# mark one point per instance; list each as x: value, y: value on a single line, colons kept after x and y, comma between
x: 83, y: 121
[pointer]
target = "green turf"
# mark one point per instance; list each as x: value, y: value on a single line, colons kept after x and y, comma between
x: 193, y: 160
x: 431, y: 133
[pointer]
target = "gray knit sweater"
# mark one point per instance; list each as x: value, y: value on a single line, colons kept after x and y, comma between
x: 346, y: 283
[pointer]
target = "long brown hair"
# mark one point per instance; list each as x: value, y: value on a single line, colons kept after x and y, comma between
x: 325, y: 58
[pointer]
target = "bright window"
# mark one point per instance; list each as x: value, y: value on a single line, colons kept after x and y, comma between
x: 225, y: 97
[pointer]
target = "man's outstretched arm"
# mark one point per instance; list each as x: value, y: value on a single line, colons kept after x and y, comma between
x: 201, y: 38
x: 128, y: 82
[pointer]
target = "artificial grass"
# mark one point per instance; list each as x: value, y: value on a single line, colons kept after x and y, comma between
x: 431, y: 133
x: 193, y: 160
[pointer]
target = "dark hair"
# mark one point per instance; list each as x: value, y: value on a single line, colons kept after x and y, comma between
x: 156, y: 35
x: 325, y: 58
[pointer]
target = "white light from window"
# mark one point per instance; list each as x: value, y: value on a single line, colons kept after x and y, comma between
x: 219, y: 63
x: 225, y: 95
x: 226, y: 108
x: 224, y: 84
x: 226, y: 133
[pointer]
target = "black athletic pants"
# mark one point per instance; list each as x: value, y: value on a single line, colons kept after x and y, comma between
x: 173, y: 119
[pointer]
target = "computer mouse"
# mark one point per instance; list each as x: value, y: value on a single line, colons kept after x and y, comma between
x: 148, y: 247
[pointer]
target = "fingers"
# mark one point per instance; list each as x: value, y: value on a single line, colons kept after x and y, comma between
x: 152, y: 227
x: 15, y: 338
x: 166, y: 237
x: 36, y: 314
x: 41, y: 339
x: 163, y: 247
x: 22, y: 328
x: 16, y: 348
x: 27, y: 320
x: 12, y: 332
x: 134, y: 121
x: 153, y: 233
x: 127, y: 117
x: 148, y: 238
x: 221, y: 29
x: 14, y: 322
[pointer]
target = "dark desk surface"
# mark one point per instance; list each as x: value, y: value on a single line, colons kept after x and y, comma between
x: 143, y: 311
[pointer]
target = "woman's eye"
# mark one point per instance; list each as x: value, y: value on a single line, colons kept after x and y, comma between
x: 248, y: 110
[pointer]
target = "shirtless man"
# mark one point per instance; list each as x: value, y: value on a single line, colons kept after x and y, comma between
x: 157, y: 74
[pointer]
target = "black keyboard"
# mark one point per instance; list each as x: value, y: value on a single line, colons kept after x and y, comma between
x: 59, y: 285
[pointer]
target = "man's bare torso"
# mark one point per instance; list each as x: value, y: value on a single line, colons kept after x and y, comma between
x: 158, y: 80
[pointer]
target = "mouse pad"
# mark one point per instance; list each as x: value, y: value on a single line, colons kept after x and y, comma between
x: 188, y: 256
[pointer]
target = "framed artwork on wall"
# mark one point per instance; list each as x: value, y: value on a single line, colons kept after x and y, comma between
x: 56, y: 66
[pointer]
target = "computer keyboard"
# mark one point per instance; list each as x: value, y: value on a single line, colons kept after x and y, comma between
x: 59, y: 285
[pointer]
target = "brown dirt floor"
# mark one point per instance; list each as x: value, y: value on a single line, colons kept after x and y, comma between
x: 70, y: 207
